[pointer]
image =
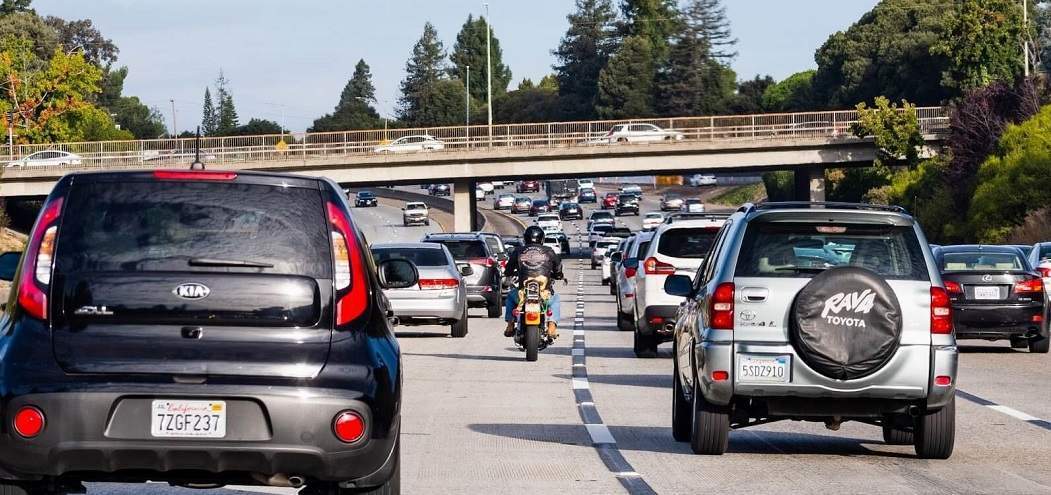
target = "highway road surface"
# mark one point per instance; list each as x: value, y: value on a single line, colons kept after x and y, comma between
x: 590, y: 418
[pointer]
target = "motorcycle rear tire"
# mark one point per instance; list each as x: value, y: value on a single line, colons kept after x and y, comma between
x: 532, y: 342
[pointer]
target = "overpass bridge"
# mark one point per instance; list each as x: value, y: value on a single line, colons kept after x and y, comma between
x: 805, y: 142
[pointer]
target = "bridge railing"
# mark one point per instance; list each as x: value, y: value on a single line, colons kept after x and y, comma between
x: 236, y: 150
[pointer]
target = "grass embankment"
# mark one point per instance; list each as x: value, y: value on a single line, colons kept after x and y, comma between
x: 739, y: 195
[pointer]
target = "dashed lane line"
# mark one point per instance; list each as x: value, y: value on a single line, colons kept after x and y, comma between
x: 1009, y: 411
x: 602, y: 438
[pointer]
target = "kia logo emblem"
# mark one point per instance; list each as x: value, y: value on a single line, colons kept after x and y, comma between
x: 192, y: 291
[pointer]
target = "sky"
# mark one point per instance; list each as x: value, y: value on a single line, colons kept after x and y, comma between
x: 289, y: 60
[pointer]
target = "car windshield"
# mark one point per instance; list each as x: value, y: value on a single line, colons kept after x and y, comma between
x: 979, y: 262
x: 415, y: 206
x: 795, y: 250
x: 627, y: 198
x: 547, y: 218
x: 599, y: 215
x: 652, y: 216
x: 419, y: 256
x: 539, y: 202
x: 366, y: 195
x: 601, y: 228
x: 465, y: 250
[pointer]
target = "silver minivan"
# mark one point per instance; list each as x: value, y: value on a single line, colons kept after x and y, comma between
x: 816, y: 312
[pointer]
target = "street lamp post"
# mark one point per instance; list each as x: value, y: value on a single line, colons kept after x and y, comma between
x: 1025, y: 36
x: 489, y: 65
x: 175, y: 127
x: 467, y: 99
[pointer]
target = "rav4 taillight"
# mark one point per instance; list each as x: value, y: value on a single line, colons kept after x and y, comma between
x: 941, y: 312
x: 722, y: 307
x: 38, y: 262
x: 349, y: 273
x: 653, y: 266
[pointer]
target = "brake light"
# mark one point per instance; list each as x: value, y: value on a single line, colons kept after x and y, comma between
x: 38, y: 262
x: 943, y: 380
x: 29, y: 422
x: 953, y: 287
x: 653, y: 266
x: 488, y: 262
x: 193, y: 175
x: 720, y: 376
x: 941, y: 312
x: 630, y: 272
x: 438, y: 283
x: 350, y: 280
x: 722, y: 307
x: 1029, y: 286
x: 348, y: 427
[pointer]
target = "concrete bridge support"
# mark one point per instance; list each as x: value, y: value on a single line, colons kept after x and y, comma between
x: 810, y: 184
x: 465, y: 206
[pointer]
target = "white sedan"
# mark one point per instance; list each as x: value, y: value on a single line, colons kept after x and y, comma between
x: 411, y: 144
x: 652, y: 220
x: 641, y: 133
x: 693, y: 206
x: 47, y: 158
x: 549, y: 222
x: 487, y: 187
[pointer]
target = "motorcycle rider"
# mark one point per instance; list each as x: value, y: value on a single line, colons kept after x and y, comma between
x: 533, y: 259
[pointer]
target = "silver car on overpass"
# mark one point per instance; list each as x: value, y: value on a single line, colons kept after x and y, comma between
x: 440, y: 297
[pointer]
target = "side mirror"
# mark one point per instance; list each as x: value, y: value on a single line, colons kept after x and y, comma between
x: 509, y: 247
x: 9, y: 265
x: 466, y: 270
x: 632, y: 263
x: 398, y: 274
x: 678, y: 285
x: 616, y: 257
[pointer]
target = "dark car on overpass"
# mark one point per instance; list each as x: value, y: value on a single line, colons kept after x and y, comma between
x: 200, y: 328
x: 996, y: 295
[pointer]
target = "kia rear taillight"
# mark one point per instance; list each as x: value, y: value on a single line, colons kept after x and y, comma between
x: 1029, y: 286
x: 941, y: 312
x: 653, y: 266
x: 38, y: 262
x: 349, y: 274
x: 953, y: 287
x: 438, y: 283
x: 722, y: 307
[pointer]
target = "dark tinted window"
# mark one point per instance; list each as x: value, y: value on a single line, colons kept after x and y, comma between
x: 643, y: 247
x: 802, y: 250
x: 160, y: 226
x: 982, y: 261
x: 9, y: 265
x: 366, y: 195
x: 1045, y: 251
x: 601, y: 228
x: 465, y: 250
x: 687, y: 243
x: 539, y: 202
x: 421, y: 257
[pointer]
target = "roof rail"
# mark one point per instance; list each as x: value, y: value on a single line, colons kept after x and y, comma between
x: 780, y: 205
x: 715, y: 215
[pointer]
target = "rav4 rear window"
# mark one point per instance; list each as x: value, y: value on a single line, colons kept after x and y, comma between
x: 794, y: 250
x: 687, y: 243
x: 465, y: 250
x: 161, y: 226
x: 421, y: 257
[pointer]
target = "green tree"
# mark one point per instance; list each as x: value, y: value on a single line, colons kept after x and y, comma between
x: 982, y: 44
x: 82, y: 36
x: 658, y: 21
x: 209, y: 118
x: 584, y: 51
x: 354, y: 110
x: 692, y: 83
x: 441, y: 104
x: 111, y: 87
x: 20, y: 24
x: 706, y: 20
x: 750, y: 93
x: 895, y: 131
x: 257, y: 127
x: 549, y: 81
x: 791, y: 95
x: 91, y: 123
x: 36, y: 94
x: 626, y: 84
x: 225, y: 112
x: 140, y: 120
x: 359, y: 87
x: 470, y: 50
x: 15, y: 6
x: 529, y: 104
x: 423, y: 73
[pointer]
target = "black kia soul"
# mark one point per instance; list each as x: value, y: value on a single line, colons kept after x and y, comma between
x: 201, y: 328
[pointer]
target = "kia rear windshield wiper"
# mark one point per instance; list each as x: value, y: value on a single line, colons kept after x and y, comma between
x: 234, y: 263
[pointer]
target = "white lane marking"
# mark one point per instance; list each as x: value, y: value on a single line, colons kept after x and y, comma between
x: 581, y: 384
x: 600, y: 434
x: 1014, y: 413
x: 627, y: 474
x: 587, y: 403
x: 578, y: 333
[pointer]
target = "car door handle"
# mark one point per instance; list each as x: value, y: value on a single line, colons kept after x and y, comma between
x: 755, y: 294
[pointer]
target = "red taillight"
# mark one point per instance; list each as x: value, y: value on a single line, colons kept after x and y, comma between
x: 1030, y: 286
x: 941, y: 312
x: 349, y: 276
x: 953, y: 287
x: 630, y: 272
x: 28, y: 422
x: 193, y: 175
x: 348, y: 427
x: 1038, y: 318
x: 438, y: 283
x: 656, y: 320
x: 488, y: 262
x: 722, y: 307
x: 38, y: 260
x: 653, y: 266
x: 720, y: 376
x: 1045, y: 271
x: 943, y: 381
x: 503, y: 264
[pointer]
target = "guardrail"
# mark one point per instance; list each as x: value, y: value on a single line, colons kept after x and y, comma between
x: 236, y: 150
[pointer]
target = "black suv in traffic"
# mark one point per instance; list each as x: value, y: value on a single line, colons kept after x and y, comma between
x: 199, y: 328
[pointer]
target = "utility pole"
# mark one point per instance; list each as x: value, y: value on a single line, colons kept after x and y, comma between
x: 10, y: 136
x: 175, y: 128
x: 1025, y: 35
x: 467, y: 98
x: 489, y: 64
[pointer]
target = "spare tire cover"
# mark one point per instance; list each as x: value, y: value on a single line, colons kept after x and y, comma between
x: 846, y: 323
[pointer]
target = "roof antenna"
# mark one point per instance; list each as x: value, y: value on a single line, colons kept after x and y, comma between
x: 197, y: 163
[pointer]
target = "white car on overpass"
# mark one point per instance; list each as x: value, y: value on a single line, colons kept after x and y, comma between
x: 411, y: 144
x: 641, y: 133
x: 47, y: 158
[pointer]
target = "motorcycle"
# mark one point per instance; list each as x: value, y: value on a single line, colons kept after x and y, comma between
x: 532, y: 313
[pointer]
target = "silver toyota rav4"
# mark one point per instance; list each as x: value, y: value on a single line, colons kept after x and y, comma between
x: 817, y: 312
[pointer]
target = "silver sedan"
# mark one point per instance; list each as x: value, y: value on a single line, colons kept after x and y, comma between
x: 440, y: 297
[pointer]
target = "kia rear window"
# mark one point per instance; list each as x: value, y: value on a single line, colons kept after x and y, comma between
x: 979, y: 262
x: 194, y: 227
x: 794, y: 250
x: 465, y: 250
x: 687, y: 243
x: 421, y: 257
